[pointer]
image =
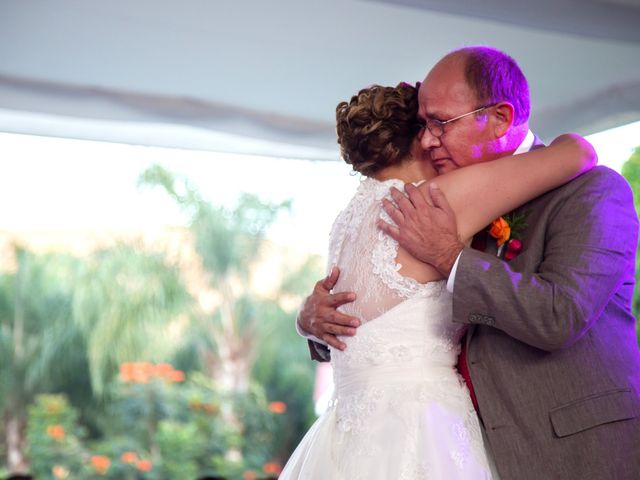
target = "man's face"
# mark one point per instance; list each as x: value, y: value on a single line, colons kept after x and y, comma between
x: 443, y: 95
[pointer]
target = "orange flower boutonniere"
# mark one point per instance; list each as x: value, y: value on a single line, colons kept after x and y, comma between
x: 507, y: 231
x: 500, y: 230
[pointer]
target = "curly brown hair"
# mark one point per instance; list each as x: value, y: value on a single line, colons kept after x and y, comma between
x: 377, y: 127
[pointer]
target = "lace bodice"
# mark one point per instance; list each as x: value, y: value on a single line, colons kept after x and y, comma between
x: 407, y: 348
x: 399, y: 408
x: 367, y: 257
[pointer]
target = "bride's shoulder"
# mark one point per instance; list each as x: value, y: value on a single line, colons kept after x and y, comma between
x: 368, y: 198
x: 378, y: 189
x: 368, y: 195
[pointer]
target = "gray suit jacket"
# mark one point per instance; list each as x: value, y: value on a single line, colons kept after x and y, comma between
x: 552, y: 352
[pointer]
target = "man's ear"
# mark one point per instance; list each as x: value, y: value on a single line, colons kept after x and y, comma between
x: 502, y: 118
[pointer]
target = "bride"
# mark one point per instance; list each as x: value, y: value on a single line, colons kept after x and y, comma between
x: 400, y: 410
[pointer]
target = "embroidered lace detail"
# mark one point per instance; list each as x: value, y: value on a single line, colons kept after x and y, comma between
x: 383, y: 260
x: 415, y: 466
x: 416, y: 471
x: 447, y: 344
x: 373, y: 349
x: 356, y: 412
x: 347, y: 221
x: 367, y: 257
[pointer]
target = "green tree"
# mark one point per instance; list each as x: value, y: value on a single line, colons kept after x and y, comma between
x: 54, y: 438
x: 229, y: 243
x: 39, y: 344
x: 631, y: 171
x: 285, y: 368
x: 66, y: 324
x: 125, y: 302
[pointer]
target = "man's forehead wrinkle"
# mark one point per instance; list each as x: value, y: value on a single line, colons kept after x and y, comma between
x: 434, y: 112
x: 426, y: 106
x: 450, y: 103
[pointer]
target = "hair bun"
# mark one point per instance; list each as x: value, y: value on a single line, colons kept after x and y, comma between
x: 377, y: 127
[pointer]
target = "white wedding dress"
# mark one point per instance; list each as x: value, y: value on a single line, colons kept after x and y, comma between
x: 400, y: 410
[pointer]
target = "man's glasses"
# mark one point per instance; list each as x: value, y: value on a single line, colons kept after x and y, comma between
x: 436, y: 127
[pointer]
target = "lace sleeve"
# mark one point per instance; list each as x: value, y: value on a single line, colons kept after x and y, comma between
x: 367, y: 257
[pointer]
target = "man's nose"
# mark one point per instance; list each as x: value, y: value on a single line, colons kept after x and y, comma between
x: 428, y: 141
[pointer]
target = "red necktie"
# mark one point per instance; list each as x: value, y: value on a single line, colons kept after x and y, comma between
x: 464, y: 371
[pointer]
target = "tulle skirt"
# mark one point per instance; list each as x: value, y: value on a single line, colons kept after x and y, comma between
x: 408, y: 432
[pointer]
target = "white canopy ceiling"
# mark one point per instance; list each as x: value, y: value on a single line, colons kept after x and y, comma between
x: 264, y: 77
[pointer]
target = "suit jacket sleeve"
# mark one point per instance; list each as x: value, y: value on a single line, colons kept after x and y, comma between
x: 590, y: 239
x: 319, y: 352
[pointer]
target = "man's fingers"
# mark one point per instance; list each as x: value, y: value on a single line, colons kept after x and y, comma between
x: 334, y: 342
x: 337, y: 299
x: 390, y: 230
x: 395, y: 193
x: 404, y: 204
x: 346, y: 320
x: 330, y: 281
x: 416, y: 196
x: 392, y: 211
x: 424, y: 189
x: 334, y: 317
x: 438, y: 198
x: 334, y: 329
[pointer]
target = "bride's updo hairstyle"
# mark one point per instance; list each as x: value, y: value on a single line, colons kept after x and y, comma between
x: 377, y: 127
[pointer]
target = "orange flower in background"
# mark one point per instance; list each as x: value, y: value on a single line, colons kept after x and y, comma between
x: 163, y: 369
x: 272, y: 468
x: 144, y: 465
x: 277, y: 407
x: 101, y: 464
x: 500, y: 230
x: 143, y: 372
x: 126, y: 372
x: 60, y: 472
x: 129, y: 457
x: 249, y: 475
x: 176, y: 376
x: 210, y: 408
x: 56, y: 432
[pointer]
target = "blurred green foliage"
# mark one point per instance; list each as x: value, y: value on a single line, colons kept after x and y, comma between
x: 631, y: 171
x: 73, y: 329
x: 55, y: 438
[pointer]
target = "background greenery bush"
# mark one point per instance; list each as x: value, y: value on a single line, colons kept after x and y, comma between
x: 228, y: 395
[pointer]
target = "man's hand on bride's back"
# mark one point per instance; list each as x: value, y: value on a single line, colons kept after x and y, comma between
x: 425, y: 225
x: 319, y: 315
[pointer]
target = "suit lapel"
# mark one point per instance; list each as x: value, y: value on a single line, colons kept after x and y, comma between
x: 470, y: 331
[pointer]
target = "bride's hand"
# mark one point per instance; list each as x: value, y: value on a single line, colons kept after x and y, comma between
x: 319, y: 317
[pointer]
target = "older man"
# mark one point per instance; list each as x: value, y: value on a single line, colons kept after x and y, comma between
x: 551, y: 353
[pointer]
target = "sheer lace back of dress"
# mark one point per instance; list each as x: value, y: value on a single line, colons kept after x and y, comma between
x: 399, y: 409
x: 367, y: 257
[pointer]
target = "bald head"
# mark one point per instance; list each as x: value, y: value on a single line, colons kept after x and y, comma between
x: 493, y: 76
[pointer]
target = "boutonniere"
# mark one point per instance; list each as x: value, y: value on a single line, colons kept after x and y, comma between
x: 508, y: 231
